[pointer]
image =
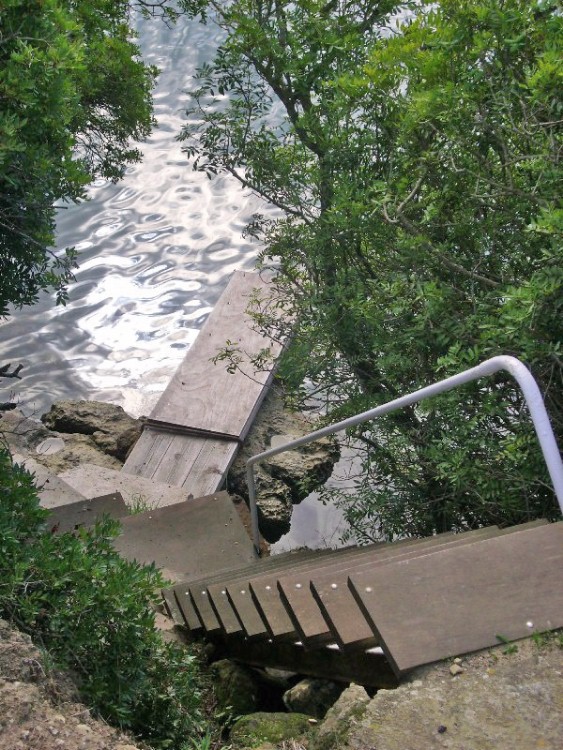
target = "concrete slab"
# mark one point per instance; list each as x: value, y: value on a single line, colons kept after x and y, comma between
x: 188, y: 540
x: 86, y: 512
x: 53, y: 491
x: 138, y: 492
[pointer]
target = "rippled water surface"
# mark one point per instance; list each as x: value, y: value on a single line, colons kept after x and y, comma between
x: 156, y: 250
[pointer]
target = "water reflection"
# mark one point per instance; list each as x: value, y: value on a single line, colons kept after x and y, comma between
x: 156, y: 250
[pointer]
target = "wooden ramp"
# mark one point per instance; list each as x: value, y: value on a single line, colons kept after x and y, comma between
x: 376, y: 612
x: 195, y: 429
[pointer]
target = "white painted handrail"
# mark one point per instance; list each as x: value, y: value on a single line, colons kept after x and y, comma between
x: 517, y: 369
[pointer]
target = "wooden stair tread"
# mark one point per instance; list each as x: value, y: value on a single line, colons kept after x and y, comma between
x: 302, y: 606
x: 459, y: 599
x: 339, y: 609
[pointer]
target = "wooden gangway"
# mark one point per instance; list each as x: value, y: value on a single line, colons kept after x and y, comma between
x: 371, y: 614
x: 194, y: 431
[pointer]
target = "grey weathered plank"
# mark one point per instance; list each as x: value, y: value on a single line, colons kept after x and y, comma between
x: 204, y: 396
x: 459, y: 600
x: 196, y: 463
x: 223, y: 609
x: 242, y: 602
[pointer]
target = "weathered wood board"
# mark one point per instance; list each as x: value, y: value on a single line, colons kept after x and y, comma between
x: 197, y: 464
x: 193, y: 538
x: 206, y: 397
x: 458, y: 600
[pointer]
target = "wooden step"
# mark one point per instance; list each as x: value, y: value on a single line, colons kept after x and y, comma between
x: 216, y: 607
x: 337, y: 604
x: 177, y: 538
x: 303, y: 609
x: 462, y: 599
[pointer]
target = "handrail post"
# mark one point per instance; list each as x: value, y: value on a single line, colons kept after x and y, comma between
x: 524, y: 378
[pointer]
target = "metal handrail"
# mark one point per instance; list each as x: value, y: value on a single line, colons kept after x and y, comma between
x: 517, y: 369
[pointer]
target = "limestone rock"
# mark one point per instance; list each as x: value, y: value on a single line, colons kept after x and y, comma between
x: 351, y: 705
x: 111, y: 428
x: 236, y: 687
x: 256, y: 729
x: 312, y: 697
x: 288, y: 478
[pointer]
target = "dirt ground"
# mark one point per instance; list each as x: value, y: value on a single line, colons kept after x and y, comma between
x: 39, y: 709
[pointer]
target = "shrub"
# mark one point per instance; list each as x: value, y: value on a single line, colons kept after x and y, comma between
x: 93, y: 612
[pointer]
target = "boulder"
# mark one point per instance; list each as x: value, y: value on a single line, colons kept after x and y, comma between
x: 110, y: 428
x: 351, y: 705
x: 284, y: 480
x: 312, y: 697
x: 236, y: 687
x: 255, y: 730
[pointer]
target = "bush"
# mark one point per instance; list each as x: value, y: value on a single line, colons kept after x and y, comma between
x: 93, y: 611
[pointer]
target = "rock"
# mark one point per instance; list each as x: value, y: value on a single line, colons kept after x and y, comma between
x: 257, y: 729
x: 236, y: 687
x: 455, y: 669
x: 351, y: 705
x: 504, y: 702
x: 288, y: 478
x: 312, y: 697
x: 114, y: 431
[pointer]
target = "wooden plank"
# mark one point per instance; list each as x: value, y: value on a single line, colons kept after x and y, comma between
x: 200, y: 600
x: 176, y: 537
x: 205, y: 396
x: 459, y: 600
x: 189, y: 612
x: 173, y: 608
x: 196, y: 463
x: 273, y: 610
x: 340, y: 611
x: 295, y: 589
x: 242, y: 602
x: 223, y: 609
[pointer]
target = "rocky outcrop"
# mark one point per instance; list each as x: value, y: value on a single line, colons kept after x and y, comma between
x: 111, y: 429
x: 288, y: 478
x: 57, y: 451
x: 39, y: 708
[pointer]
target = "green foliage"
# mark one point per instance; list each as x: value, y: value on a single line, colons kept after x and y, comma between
x: 93, y: 612
x: 73, y: 92
x: 417, y: 174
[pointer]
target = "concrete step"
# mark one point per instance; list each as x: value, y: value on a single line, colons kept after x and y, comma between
x: 138, y: 493
x: 86, y: 512
x: 53, y: 491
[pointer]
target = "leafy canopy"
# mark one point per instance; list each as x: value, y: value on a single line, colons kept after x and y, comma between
x: 413, y: 150
x: 73, y: 93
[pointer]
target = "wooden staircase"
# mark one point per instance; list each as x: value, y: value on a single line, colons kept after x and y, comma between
x: 371, y: 614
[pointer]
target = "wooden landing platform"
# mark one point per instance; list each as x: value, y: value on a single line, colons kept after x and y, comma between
x: 195, y: 429
x: 189, y: 539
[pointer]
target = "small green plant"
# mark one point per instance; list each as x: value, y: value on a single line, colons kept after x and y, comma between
x: 510, y: 648
x: 141, y: 504
x: 545, y: 638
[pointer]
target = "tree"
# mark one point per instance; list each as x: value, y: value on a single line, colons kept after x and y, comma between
x: 73, y: 93
x: 414, y: 156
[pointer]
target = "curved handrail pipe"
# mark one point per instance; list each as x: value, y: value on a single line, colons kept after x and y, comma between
x: 517, y: 369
